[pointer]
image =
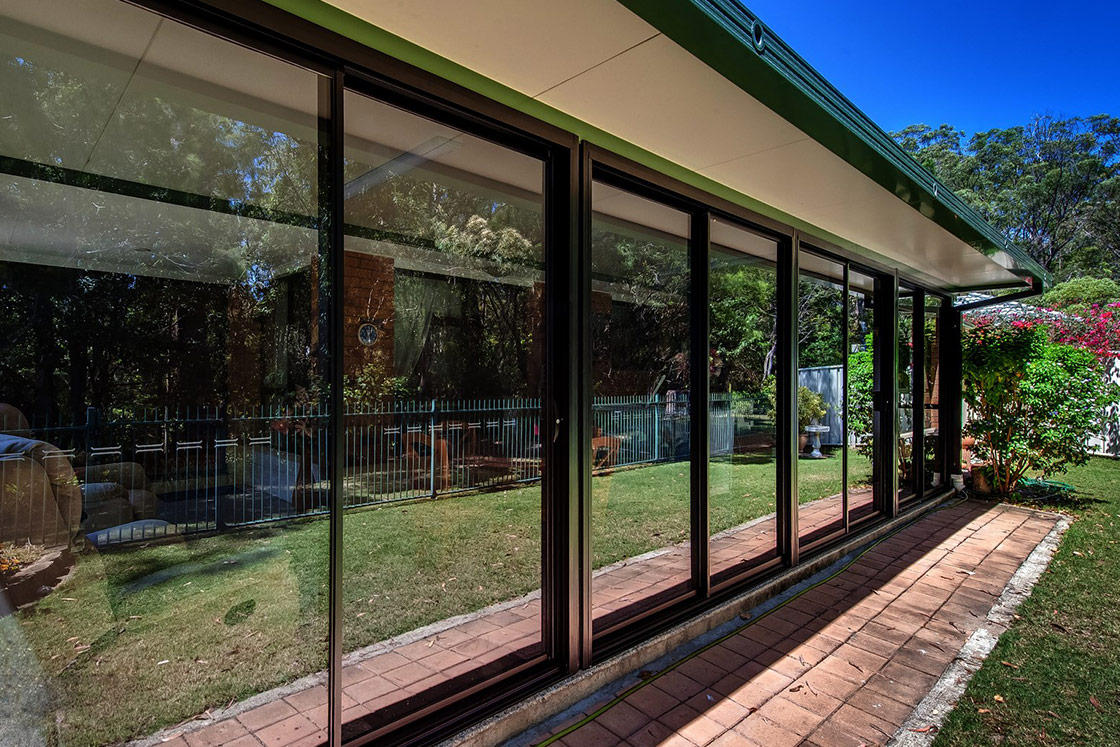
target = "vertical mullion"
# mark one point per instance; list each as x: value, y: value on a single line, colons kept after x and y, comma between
x: 785, y: 411
x: 950, y: 409
x: 918, y: 345
x: 699, y: 406
x: 844, y: 397
x: 885, y: 403
x: 331, y: 214
x: 561, y: 430
x: 582, y: 347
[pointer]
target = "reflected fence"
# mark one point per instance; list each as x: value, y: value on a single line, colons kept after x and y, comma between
x: 119, y: 480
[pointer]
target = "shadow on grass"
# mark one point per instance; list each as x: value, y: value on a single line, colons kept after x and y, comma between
x: 1059, y: 498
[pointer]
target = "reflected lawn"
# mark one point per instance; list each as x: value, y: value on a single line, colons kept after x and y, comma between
x: 144, y: 637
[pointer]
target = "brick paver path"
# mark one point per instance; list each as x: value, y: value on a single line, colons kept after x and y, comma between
x: 402, y: 674
x: 845, y: 663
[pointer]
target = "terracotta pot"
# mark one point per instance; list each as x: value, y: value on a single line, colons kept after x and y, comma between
x: 980, y: 484
x: 802, y: 442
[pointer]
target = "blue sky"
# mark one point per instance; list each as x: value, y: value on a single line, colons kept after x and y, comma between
x: 976, y: 65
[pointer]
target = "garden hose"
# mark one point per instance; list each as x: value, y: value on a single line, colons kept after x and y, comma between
x: 653, y: 678
x: 1055, y: 485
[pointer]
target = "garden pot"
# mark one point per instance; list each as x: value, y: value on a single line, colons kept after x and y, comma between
x: 802, y: 442
x: 980, y: 482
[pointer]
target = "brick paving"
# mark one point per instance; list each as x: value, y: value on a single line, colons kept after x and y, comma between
x: 800, y: 666
x: 846, y: 662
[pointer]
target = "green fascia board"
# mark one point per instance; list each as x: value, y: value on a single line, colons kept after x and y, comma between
x: 731, y: 40
x: 734, y: 55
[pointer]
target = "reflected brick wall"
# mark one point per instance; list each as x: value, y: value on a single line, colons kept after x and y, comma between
x: 368, y: 297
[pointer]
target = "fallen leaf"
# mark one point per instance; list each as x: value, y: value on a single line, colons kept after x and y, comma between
x: 1009, y: 664
x: 983, y: 710
x: 796, y: 689
x: 1054, y: 714
x: 922, y: 730
x: 999, y: 699
x: 1096, y: 703
x: 161, y: 663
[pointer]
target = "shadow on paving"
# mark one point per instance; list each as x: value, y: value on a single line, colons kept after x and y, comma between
x: 845, y: 662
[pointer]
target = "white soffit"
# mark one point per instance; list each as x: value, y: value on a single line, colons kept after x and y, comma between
x: 597, y: 61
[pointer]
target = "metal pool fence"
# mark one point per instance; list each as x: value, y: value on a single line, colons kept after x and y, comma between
x: 206, y: 469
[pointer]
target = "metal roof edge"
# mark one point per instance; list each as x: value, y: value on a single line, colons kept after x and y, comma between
x: 734, y: 42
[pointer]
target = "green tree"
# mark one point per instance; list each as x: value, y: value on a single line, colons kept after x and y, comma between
x: 1080, y: 294
x: 1051, y: 185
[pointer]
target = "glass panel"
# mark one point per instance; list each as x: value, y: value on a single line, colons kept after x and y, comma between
x: 861, y: 387
x: 443, y: 372
x: 905, y: 373
x: 163, y: 423
x: 742, y: 469
x: 932, y: 387
x: 821, y: 316
x: 641, y: 487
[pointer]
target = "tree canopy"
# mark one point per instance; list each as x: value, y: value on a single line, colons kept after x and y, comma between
x: 1052, y: 185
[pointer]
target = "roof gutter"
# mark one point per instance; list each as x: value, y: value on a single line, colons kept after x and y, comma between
x: 732, y: 41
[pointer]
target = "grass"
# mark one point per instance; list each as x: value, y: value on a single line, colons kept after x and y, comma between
x: 168, y: 630
x: 1063, y: 687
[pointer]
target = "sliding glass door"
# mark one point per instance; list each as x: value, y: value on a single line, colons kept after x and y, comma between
x: 859, y: 410
x: 742, y: 463
x: 163, y: 374
x: 821, y: 377
x: 443, y: 379
x: 641, y: 405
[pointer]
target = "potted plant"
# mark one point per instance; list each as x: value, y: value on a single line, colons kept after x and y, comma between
x: 810, y: 407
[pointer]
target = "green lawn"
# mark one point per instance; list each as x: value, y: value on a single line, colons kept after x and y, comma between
x: 143, y: 637
x: 1063, y: 687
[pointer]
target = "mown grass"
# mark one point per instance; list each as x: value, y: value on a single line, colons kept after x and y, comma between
x: 1061, y: 682
x: 143, y: 637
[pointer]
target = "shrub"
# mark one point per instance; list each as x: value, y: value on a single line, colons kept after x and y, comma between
x: 810, y: 405
x: 1035, y: 403
x: 861, y: 393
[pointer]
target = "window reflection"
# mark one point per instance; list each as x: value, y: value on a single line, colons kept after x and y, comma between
x: 861, y: 387
x: 640, y: 383
x: 932, y: 400
x: 443, y: 378
x: 821, y: 319
x: 905, y: 376
x: 162, y: 426
x: 742, y: 471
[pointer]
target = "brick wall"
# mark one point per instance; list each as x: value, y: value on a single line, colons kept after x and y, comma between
x: 368, y: 297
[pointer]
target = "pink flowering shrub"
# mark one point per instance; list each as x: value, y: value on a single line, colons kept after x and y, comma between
x: 1036, y: 392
